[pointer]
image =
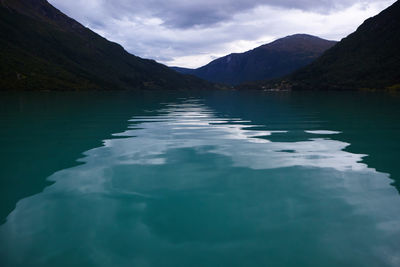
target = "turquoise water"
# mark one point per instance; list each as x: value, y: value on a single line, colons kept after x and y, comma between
x: 201, y: 179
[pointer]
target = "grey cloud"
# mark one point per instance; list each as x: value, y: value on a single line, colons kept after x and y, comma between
x: 186, y: 14
x: 200, y: 13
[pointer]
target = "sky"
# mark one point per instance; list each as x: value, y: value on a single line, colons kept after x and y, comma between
x: 191, y: 33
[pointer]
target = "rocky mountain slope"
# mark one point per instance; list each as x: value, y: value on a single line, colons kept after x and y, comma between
x: 368, y: 59
x: 43, y: 49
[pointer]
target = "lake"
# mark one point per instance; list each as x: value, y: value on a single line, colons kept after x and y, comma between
x: 221, y: 178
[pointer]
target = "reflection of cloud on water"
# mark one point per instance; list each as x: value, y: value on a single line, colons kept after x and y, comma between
x: 132, y: 194
x: 193, y: 125
x: 323, y: 132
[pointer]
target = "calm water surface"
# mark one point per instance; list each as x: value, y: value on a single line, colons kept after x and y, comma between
x: 205, y: 179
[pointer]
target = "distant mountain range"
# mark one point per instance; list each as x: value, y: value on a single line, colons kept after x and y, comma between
x: 43, y: 49
x: 367, y: 59
x: 268, y: 61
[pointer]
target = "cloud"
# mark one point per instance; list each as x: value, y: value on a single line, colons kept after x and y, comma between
x: 186, y: 14
x: 191, y: 33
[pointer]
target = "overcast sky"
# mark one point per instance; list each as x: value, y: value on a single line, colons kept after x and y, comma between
x: 190, y: 33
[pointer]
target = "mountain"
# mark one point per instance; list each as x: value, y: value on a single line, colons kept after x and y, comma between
x: 368, y: 59
x: 43, y: 49
x: 184, y: 70
x: 272, y: 60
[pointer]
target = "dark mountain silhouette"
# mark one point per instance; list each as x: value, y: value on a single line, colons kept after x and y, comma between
x: 43, y: 49
x: 272, y: 60
x: 368, y: 59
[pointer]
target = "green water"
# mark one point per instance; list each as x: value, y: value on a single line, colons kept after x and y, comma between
x: 199, y: 179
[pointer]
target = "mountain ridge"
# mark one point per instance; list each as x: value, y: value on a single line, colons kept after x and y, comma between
x: 44, y: 49
x: 367, y: 59
x: 271, y: 60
